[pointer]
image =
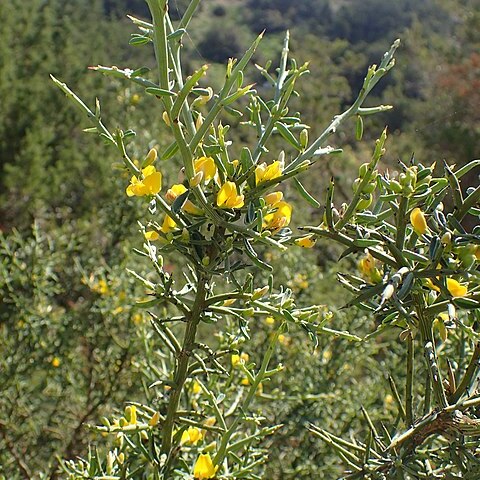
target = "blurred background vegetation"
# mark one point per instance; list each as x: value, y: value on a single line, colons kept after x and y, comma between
x: 70, y: 343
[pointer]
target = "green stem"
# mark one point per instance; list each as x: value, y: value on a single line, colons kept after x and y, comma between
x: 470, y: 373
x: 181, y: 368
x: 401, y: 222
x: 409, y: 384
x: 431, y: 357
x: 222, y: 451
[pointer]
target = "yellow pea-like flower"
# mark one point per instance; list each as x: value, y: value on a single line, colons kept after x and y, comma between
x: 265, y: 172
x: 149, y: 184
x: 273, y: 198
x: 238, y: 359
x: 196, y: 388
x: 152, y: 235
x: 279, y: 218
x: 191, y: 436
x: 204, y: 467
x: 228, y: 196
x: 417, y: 219
x: 177, y: 190
x: 207, y: 166
x: 168, y: 224
x: 431, y: 285
x: 306, y: 242
x: 56, y: 362
x: 455, y: 288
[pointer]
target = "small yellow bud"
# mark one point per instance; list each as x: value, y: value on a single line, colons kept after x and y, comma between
x: 260, y: 292
x: 196, y: 179
x: 150, y: 158
x: 56, y: 362
x: 446, y: 238
x: 154, y: 420
x: 131, y: 414
x: 166, y: 119
x: 199, y: 121
x: 417, y: 219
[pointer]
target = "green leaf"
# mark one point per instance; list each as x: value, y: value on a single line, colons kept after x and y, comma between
x: 303, y: 192
x: 179, y: 202
x: 159, y: 92
x: 288, y: 135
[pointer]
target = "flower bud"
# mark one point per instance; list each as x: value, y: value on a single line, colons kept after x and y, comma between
x: 446, y: 238
x: 417, y: 219
x: 363, y: 169
x: 166, y: 119
x: 304, y: 138
x: 260, y: 292
x: 154, y: 420
x: 196, y: 179
x: 150, y: 158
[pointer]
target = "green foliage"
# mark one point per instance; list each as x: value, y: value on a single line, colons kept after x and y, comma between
x: 75, y: 348
x: 67, y: 343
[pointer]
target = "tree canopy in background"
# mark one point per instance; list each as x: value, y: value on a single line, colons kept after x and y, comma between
x: 62, y: 280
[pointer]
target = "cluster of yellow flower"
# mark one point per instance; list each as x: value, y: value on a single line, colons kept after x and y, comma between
x: 277, y: 214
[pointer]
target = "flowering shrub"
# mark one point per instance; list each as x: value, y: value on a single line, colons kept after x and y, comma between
x: 226, y: 211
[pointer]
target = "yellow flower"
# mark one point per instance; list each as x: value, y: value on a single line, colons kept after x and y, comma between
x: 240, y: 359
x: 192, y: 436
x: 152, y: 235
x: 367, y: 265
x: 168, y: 224
x: 273, y: 198
x: 431, y: 285
x: 56, y: 362
x: 263, y: 173
x: 177, y: 190
x: 269, y: 320
x: 417, y: 219
x: 204, y: 467
x: 101, y: 287
x: 207, y: 166
x: 245, y: 382
x: 456, y: 289
x: 306, y: 242
x: 196, y: 388
x: 279, y: 218
x: 228, y: 196
x: 153, y: 422
x: 150, y: 184
x: 210, y: 421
